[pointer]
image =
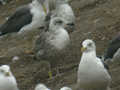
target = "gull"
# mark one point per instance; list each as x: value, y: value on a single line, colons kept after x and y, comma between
x: 92, y: 75
x: 56, y: 38
x: 7, y: 80
x: 26, y: 17
x: 51, y: 42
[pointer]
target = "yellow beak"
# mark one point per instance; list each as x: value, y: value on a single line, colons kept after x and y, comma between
x: 44, y: 8
x: 65, y: 26
x: 7, y: 74
x: 83, y: 49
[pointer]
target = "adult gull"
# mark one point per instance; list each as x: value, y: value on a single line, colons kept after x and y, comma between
x: 92, y: 75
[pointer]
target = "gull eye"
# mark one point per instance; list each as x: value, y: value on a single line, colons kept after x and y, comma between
x: 59, y: 22
x: 71, y: 24
x: 2, y: 71
x: 90, y: 44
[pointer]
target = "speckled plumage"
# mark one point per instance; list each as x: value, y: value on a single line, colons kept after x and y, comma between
x: 49, y: 44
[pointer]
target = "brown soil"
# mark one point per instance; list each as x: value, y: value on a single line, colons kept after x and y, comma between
x: 98, y: 20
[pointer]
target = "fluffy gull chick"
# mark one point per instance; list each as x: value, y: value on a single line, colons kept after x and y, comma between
x: 50, y: 44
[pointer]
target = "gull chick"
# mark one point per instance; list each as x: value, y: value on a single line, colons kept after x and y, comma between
x: 50, y: 44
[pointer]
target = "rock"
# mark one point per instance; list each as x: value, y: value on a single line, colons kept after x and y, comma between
x: 15, y: 58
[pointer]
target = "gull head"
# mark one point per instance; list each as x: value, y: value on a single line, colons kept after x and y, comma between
x: 65, y: 88
x: 5, y: 70
x: 41, y: 87
x: 88, y: 45
x: 57, y: 22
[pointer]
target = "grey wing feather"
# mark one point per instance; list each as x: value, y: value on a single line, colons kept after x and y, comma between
x: 105, y: 65
x: 114, y: 45
x: 43, y: 49
x: 20, y: 18
x: 41, y: 42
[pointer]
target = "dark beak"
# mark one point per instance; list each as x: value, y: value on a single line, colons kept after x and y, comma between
x: 70, y: 27
x: 47, y: 21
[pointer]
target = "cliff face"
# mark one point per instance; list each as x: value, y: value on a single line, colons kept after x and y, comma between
x: 95, y: 19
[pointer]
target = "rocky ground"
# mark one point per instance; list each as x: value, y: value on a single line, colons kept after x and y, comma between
x: 95, y: 19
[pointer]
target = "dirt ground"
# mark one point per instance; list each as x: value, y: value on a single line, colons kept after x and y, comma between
x: 95, y: 19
